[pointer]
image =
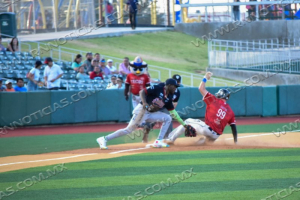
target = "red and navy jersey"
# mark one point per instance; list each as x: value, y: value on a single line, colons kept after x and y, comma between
x: 137, y: 83
x: 218, y: 113
x: 158, y: 91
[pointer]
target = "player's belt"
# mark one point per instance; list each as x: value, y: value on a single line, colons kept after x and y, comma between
x: 213, y: 131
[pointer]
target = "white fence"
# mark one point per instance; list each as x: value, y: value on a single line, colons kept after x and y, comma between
x: 210, y: 14
x: 262, y: 55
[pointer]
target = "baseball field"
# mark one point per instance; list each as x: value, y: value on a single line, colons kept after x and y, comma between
x: 65, y: 162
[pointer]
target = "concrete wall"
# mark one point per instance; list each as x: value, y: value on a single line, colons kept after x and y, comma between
x: 244, y: 30
x: 259, y: 78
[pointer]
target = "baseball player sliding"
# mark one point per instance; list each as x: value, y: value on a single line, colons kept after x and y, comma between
x: 152, y: 100
x: 218, y: 115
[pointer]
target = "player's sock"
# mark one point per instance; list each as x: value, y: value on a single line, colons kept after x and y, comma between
x: 116, y: 134
x: 164, y: 128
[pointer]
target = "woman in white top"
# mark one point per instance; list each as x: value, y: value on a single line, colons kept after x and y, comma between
x: 34, y: 76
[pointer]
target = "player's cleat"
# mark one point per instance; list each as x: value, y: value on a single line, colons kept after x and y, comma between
x: 102, y: 142
x: 159, y: 144
x: 168, y: 141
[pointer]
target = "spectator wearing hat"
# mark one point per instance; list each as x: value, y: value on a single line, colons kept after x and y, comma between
x: 177, y: 77
x: 52, y: 75
x: 77, y: 62
x: 9, y: 87
x: 124, y: 67
x: 113, y: 84
x: 112, y: 69
x: 2, y: 88
x: 88, y: 62
x: 34, y: 76
x: 20, y: 86
x: 96, y: 73
x: 103, y: 68
x: 81, y: 75
x: 2, y: 48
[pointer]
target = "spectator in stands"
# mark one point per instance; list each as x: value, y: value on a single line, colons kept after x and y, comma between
x: 109, y: 12
x: 52, y: 75
x: 251, y: 12
x: 236, y: 11
x: 103, y: 68
x: 39, y: 21
x: 96, y: 73
x: 177, y: 77
x: 81, y: 75
x: 132, y: 8
x: 113, y: 84
x: 48, y: 16
x: 2, y: 88
x: 97, y: 57
x: 77, y: 62
x: 120, y: 83
x: 88, y: 62
x: 13, y: 46
x: 34, y: 76
x: 124, y: 67
x: 112, y: 69
x: 20, y: 86
x: 2, y: 48
x: 94, y: 64
x: 9, y: 87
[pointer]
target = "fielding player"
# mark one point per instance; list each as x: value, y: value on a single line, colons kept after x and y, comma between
x: 152, y: 100
x: 175, y: 99
x: 218, y: 115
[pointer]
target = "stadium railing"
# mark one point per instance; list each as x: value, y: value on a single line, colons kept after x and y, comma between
x: 261, y: 10
x: 263, y: 55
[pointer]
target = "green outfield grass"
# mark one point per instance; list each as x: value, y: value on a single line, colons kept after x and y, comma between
x: 54, y: 143
x: 169, y: 49
x: 218, y: 174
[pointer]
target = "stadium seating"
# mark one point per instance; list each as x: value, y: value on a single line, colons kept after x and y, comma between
x: 17, y: 65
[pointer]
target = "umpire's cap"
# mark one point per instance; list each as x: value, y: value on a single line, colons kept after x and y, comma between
x: 172, y: 81
x: 223, y: 94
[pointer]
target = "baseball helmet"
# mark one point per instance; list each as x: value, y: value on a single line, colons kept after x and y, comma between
x: 223, y: 94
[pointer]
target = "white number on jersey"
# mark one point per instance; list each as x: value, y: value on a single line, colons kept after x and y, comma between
x: 221, y: 113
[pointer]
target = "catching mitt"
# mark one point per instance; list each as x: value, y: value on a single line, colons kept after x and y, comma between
x: 156, y: 105
x: 190, y: 131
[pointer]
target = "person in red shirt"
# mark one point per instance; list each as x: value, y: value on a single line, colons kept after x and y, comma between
x: 136, y: 80
x: 218, y: 114
x: 96, y: 73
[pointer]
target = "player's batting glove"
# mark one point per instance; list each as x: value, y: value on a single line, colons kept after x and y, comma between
x: 190, y: 131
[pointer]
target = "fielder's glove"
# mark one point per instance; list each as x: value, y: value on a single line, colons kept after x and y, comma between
x: 190, y: 131
x: 156, y: 105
